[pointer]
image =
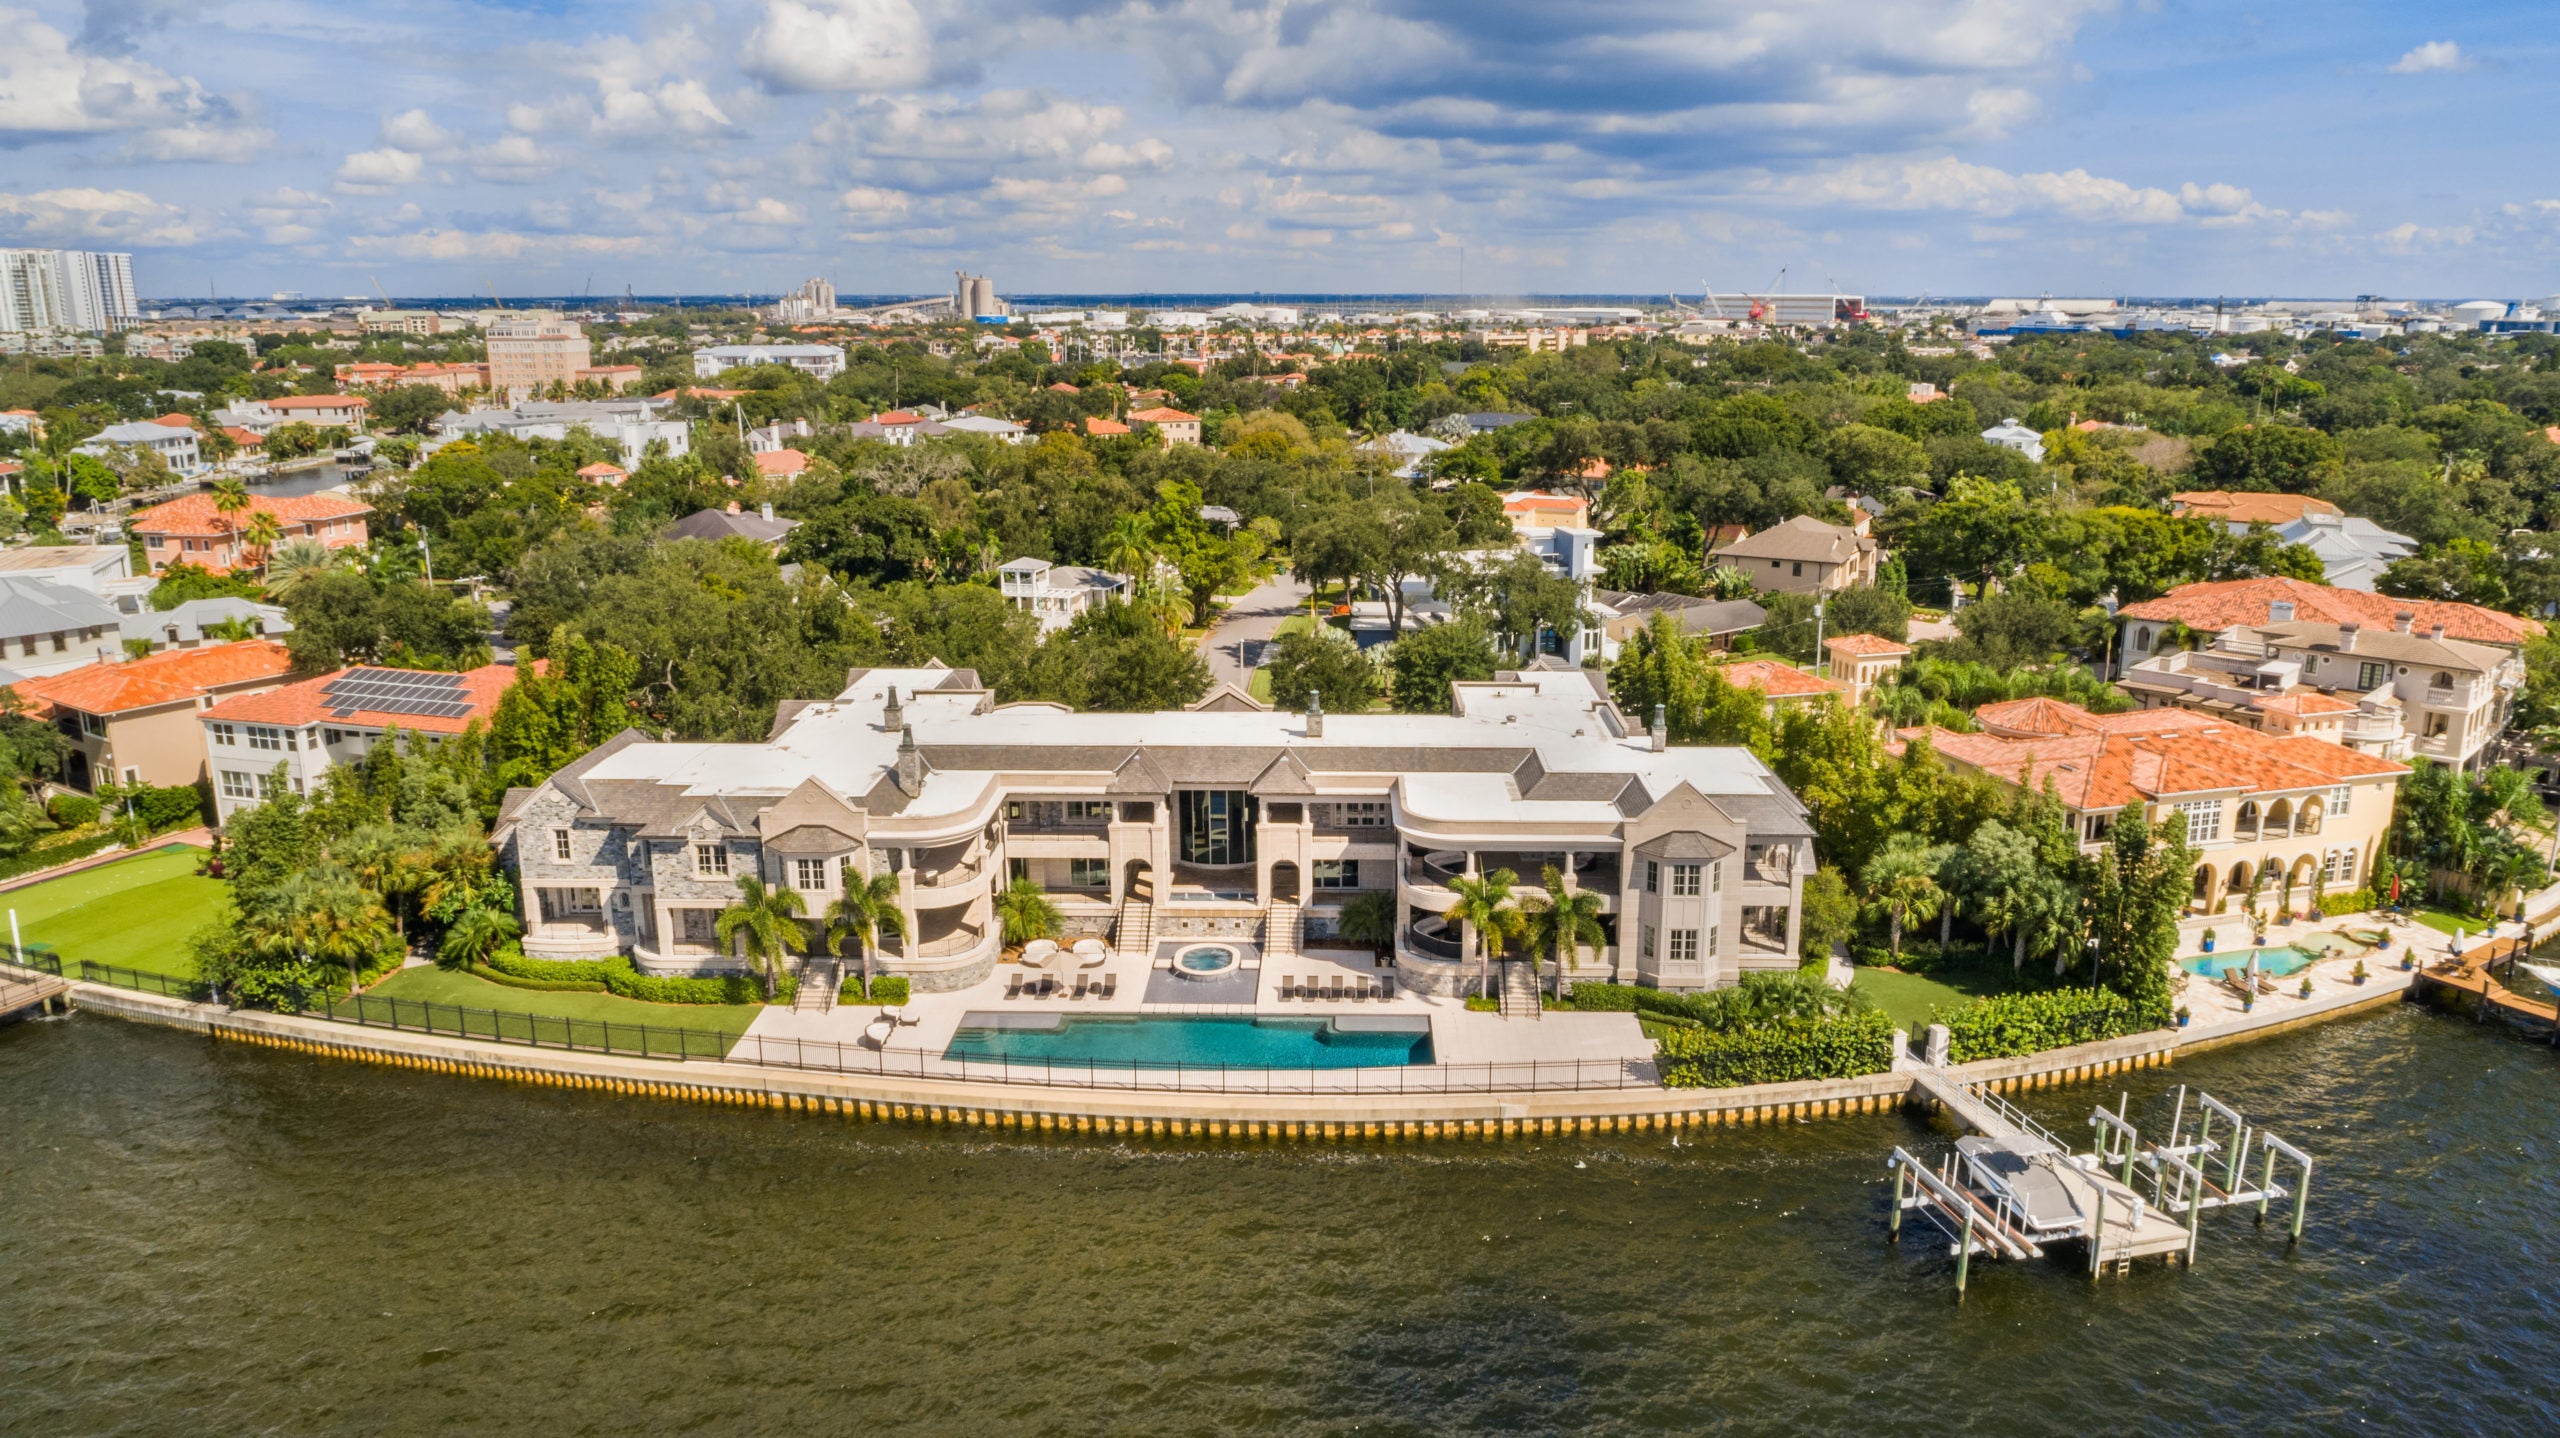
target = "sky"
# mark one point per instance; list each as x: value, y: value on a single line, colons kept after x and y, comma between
x: 1953, y: 147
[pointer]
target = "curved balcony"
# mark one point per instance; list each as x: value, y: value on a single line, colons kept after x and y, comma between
x: 1434, y: 939
x: 950, y: 885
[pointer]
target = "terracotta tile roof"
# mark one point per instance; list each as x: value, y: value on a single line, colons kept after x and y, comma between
x: 1100, y: 427
x: 2246, y: 508
x: 2110, y: 761
x: 1864, y: 645
x: 195, y: 514
x: 1062, y: 387
x: 1780, y: 680
x: 298, y: 704
x: 601, y: 471
x: 293, y: 402
x: 2307, y: 704
x: 243, y: 436
x: 174, y: 420
x: 164, y: 678
x: 2213, y: 607
x: 1164, y: 414
x: 898, y: 416
x: 781, y: 461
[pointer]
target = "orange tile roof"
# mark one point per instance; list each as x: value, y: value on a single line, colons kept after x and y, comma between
x: 2217, y: 606
x: 1100, y: 427
x: 1864, y: 645
x: 243, y: 436
x: 898, y: 416
x: 2110, y: 761
x: 195, y: 514
x: 298, y: 704
x: 781, y: 461
x: 2248, y: 508
x: 174, y: 420
x: 319, y: 401
x: 1062, y: 387
x: 1779, y: 680
x: 167, y: 677
x: 1164, y: 414
x: 600, y: 470
x: 2307, y: 703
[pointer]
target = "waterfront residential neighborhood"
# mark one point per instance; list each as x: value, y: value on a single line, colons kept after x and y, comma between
x: 709, y: 715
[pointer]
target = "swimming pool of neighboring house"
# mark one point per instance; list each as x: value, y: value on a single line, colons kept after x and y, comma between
x: 1168, y: 1040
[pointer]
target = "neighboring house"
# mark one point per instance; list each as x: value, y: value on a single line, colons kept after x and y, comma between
x: 1861, y: 661
x: 731, y: 523
x: 177, y: 448
x: 1487, y: 421
x: 615, y: 378
x: 2255, y: 805
x: 2243, y: 508
x: 2392, y: 692
x: 777, y: 435
x: 1405, y: 450
x: 323, y: 411
x: 1167, y: 828
x: 184, y: 626
x: 102, y: 569
x: 1715, y: 620
x: 1097, y: 427
x: 630, y: 425
x: 189, y: 530
x: 1803, y: 555
x: 2353, y: 552
x: 1056, y: 593
x: 899, y: 427
x: 21, y: 421
x: 1529, y: 509
x: 602, y: 473
x: 2009, y: 434
x: 1176, y: 426
x: 784, y: 464
x: 819, y: 362
x: 1003, y: 431
x: 134, y: 721
x: 2208, y: 609
x: 47, y: 627
x: 1782, y: 682
x: 318, y: 724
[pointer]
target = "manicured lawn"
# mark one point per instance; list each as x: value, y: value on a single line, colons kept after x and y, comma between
x: 1908, y: 998
x: 441, y: 986
x: 1258, y: 684
x: 1294, y: 624
x: 135, y: 913
x: 2445, y: 921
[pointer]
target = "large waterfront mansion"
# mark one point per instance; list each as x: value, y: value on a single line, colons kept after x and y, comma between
x: 1225, y: 820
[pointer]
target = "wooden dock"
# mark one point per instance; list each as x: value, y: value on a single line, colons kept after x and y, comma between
x: 2473, y: 976
x: 22, y: 990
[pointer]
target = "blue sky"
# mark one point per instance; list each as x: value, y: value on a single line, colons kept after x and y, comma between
x: 1947, y: 146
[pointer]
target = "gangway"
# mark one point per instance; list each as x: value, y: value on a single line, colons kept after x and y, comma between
x: 2014, y: 1189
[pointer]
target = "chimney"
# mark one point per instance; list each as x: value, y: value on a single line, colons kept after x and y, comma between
x: 1661, y: 730
x: 2436, y: 633
x: 2347, y: 637
x: 767, y: 509
x: 910, y: 763
x: 2280, y: 611
x: 1315, y: 715
x: 2401, y: 621
x: 894, y: 716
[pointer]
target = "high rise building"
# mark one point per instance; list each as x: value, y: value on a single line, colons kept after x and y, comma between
x: 51, y: 290
x: 531, y: 350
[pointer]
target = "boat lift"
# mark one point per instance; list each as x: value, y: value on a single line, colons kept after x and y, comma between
x: 2013, y: 1189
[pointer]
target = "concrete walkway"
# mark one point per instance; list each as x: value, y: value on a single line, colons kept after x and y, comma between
x: 1247, y: 624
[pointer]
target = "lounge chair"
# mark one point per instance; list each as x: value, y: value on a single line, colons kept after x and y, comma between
x: 1386, y: 989
x: 1013, y: 986
x: 1080, y: 988
x: 1110, y: 986
x: 2236, y: 980
x: 1288, y: 987
x: 2267, y: 984
x: 1333, y: 987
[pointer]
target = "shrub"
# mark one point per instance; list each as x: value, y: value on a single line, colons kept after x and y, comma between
x: 2354, y: 901
x: 72, y: 811
x: 2011, y: 1025
x: 60, y: 852
x: 1757, y: 999
x: 616, y: 976
x: 888, y: 990
x: 1480, y: 1004
x: 1780, y: 1051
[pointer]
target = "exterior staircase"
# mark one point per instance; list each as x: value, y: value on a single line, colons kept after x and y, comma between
x: 1519, y: 990
x: 819, y: 980
x: 1135, y: 933
x: 1280, y: 933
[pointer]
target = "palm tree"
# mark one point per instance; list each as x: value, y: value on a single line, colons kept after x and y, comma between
x: 760, y: 927
x: 1130, y: 547
x: 295, y: 561
x: 868, y: 909
x: 230, y: 498
x: 1485, y: 905
x: 1902, y: 880
x: 1025, y: 912
x: 262, y: 532
x: 1563, y: 922
x: 1368, y: 919
x: 476, y: 935
x: 326, y: 915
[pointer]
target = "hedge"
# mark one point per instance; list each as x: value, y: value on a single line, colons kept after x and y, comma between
x: 62, y: 851
x: 2354, y: 901
x: 1781, y: 1051
x: 616, y: 976
x: 72, y: 811
x: 888, y: 989
x: 2013, y: 1025
x: 1637, y: 999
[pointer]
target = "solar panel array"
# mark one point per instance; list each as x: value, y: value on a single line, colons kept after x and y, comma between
x: 396, y: 691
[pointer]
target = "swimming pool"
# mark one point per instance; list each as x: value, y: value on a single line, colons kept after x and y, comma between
x: 1156, y: 1041
x: 2275, y: 962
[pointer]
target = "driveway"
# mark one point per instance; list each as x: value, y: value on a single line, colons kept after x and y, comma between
x: 1247, y: 625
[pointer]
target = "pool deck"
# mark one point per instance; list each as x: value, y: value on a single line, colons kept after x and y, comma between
x: 2332, y: 980
x: 1458, y: 1036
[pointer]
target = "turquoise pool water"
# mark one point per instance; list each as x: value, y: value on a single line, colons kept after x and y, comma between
x: 2276, y: 962
x: 1148, y: 1041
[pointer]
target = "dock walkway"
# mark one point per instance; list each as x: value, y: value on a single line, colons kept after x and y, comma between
x: 23, y: 989
x: 2053, y: 1196
x: 2472, y: 975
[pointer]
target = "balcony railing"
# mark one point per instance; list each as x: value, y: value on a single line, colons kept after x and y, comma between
x: 958, y: 876
x: 958, y: 941
x: 1433, y: 945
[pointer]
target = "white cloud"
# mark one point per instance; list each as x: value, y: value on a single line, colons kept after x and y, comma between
x: 51, y: 90
x: 449, y: 245
x: 417, y: 130
x: 373, y: 171
x: 2432, y: 57
x: 873, y: 204
x: 838, y: 45
x: 104, y: 217
x: 1948, y: 183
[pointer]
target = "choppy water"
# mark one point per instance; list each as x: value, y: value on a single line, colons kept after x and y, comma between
x: 202, y: 1238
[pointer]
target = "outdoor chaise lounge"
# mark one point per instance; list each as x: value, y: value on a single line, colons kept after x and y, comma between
x: 1110, y: 986
x: 1013, y: 986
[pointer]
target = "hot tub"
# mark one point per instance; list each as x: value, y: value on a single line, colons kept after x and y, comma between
x: 1205, y: 961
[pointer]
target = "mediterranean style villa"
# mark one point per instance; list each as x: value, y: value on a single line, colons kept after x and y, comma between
x: 1227, y: 820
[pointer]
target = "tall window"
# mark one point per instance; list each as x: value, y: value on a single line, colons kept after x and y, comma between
x: 1684, y: 946
x: 1711, y: 941
x: 2204, y: 820
x: 711, y: 861
x: 1217, y: 826
x: 1644, y: 943
x: 1652, y: 877
x: 560, y: 845
x: 2370, y: 676
x: 2339, y: 796
x: 1684, y: 881
x: 810, y: 874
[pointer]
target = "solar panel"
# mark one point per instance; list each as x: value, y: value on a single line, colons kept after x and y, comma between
x: 396, y: 691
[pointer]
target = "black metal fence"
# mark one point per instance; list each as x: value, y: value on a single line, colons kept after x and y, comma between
x: 542, y: 1031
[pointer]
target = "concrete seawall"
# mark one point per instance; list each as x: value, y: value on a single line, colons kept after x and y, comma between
x: 1164, y: 1113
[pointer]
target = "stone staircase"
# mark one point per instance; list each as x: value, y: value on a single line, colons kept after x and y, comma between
x: 1280, y: 933
x: 1519, y: 990
x: 819, y: 980
x: 1135, y: 933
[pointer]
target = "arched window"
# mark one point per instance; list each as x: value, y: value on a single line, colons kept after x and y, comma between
x: 2443, y: 681
x: 2248, y: 825
x: 2142, y: 637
